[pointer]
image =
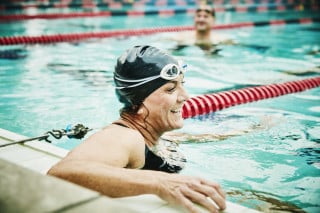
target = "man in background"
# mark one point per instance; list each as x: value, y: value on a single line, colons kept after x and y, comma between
x: 203, y: 37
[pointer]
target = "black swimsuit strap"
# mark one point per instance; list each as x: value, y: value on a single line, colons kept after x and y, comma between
x: 155, y: 162
x: 120, y: 124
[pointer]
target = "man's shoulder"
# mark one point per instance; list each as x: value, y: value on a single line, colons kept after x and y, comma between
x: 217, y: 38
x: 186, y: 38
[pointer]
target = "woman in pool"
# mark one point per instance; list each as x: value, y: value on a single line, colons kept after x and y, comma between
x: 128, y: 157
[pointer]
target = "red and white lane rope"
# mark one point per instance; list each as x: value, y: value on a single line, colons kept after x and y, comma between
x: 204, y: 104
x: 74, y: 37
x: 160, y: 12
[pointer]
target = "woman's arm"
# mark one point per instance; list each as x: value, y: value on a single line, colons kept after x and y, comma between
x: 108, y: 180
x: 266, y: 122
x: 121, y: 182
x: 182, y: 137
x: 99, y: 164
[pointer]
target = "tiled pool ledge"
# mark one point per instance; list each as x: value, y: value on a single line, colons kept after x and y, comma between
x: 24, y: 187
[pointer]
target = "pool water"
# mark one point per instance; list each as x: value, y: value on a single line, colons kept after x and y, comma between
x: 45, y: 87
x: 35, y: 27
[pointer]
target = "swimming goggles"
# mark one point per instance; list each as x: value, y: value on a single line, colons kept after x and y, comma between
x: 206, y: 10
x: 168, y: 72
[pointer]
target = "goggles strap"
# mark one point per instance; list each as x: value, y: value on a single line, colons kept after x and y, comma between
x: 137, y: 80
x: 140, y: 83
x: 180, y: 67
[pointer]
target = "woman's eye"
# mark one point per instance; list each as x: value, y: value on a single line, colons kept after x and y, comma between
x: 171, y: 89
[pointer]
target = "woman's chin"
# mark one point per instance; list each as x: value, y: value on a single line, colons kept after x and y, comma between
x: 178, y: 124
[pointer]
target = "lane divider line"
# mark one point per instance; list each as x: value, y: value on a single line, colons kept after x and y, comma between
x: 75, y: 37
x: 161, y: 12
x: 204, y: 104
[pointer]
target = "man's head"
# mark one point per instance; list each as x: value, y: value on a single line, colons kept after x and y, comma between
x: 140, y: 71
x: 204, y: 18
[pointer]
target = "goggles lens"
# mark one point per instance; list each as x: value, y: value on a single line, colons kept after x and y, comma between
x: 170, y: 72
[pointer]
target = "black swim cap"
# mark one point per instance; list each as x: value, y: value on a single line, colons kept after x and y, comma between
x: 137, y: 63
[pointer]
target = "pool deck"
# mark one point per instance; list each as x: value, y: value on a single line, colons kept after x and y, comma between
x: 25, y: 187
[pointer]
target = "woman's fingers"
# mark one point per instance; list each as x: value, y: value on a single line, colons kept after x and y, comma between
x: 214, y: 185
x: 185, y: 191
x: 201, y: 199
x: 185, y: 202
x: 205, y: 193
x: 208, y: 193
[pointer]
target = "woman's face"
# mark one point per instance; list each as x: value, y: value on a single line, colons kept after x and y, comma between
x: 203, y: 20
x: 165, y: 106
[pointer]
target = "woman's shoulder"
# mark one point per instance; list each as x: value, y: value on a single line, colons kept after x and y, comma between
x: 115, y: 134
x: 113, y: 145
x: 122, y: 132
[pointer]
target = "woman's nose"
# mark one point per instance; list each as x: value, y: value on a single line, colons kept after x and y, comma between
x: 184, y: 96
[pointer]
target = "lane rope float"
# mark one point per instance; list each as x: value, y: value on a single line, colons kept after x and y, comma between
x: 204, y: 104
x: 16, y: 5
x: 74, y: 37
x: 199, y: 105
x: 160, y: 12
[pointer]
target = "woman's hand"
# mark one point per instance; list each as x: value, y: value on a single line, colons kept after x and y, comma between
x: 186, y: 190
